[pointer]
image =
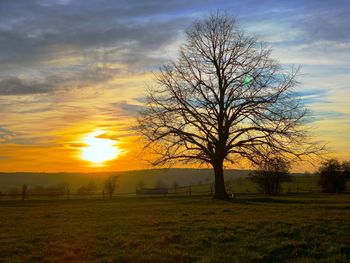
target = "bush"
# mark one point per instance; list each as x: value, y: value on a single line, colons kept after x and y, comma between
x: 87, y: 189
x: 160, y: 184
x: 333, y: 176
x: 270, y: 174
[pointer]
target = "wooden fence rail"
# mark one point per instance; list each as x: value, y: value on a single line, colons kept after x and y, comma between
x: 180, y: 191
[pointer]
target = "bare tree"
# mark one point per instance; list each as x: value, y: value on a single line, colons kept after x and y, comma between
x: 111, y: 184
x: 270, y: 174
x: 224, y: 98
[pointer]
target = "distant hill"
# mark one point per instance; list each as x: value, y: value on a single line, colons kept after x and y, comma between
x: 127, y: 180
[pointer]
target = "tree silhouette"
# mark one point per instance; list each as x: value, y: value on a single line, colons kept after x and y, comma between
x: 110, y: 184
x: 333, y: 176
x: 270, y: 174
x: 222, y: 99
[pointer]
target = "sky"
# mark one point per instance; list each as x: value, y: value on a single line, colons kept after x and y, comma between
x: 74, y: 69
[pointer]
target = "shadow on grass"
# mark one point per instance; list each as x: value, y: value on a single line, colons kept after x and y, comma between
x: 288, y: 251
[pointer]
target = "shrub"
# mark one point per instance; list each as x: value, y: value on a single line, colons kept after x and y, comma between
x: 87, y: 189
x: 270, y: 174
x: 333, y: 176
x: 160, y: 184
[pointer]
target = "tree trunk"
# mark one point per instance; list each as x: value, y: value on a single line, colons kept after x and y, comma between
x: 220, y: 190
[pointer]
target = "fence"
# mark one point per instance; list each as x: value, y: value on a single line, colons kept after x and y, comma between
x: 60, y: 196
x: 190, y: 190
x: 180, y: 191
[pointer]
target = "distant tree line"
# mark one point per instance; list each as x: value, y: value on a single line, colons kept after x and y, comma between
x: 333, y: 175
x: 268, y: 177
x: 58, y: 189
x: 91, y: 188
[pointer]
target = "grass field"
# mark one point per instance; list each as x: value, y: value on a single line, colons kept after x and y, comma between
x: 250, y: 228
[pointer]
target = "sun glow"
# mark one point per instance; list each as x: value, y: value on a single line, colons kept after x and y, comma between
x: 99, y: 149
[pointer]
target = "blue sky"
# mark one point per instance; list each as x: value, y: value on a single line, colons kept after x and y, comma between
x: 72, y: 66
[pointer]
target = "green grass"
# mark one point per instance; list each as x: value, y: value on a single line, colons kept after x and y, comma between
x: 251, y: 228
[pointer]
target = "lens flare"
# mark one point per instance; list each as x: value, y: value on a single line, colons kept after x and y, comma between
x: 247, y: 80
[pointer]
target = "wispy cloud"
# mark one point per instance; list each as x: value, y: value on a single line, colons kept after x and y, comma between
x: 5, y: 135
x: 17, y: 86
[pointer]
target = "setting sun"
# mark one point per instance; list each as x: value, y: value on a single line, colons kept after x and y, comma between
x: 99, y: 150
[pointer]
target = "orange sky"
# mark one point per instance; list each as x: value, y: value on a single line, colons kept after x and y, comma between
x: 68, y: 70
x: 55, y: 138
x: 57, y: 141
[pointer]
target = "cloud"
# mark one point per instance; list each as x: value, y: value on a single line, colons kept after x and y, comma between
x: 5, y: 135
x: 312, y: 96
x: 76, y: 79
x: 134, y: 29
x: 329, y: 115
x: 328, y: 25
x: 16, y: 86
x: 128, y: 109
x: 47, y: 46
x: 19, y: 138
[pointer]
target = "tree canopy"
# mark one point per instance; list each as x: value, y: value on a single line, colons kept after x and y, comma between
x: 222, y: 99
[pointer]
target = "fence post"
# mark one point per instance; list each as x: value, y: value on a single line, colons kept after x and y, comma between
x: 24, y: 190
x: 190, y: 190
x: 103, y: 194
x: 68, y: 194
